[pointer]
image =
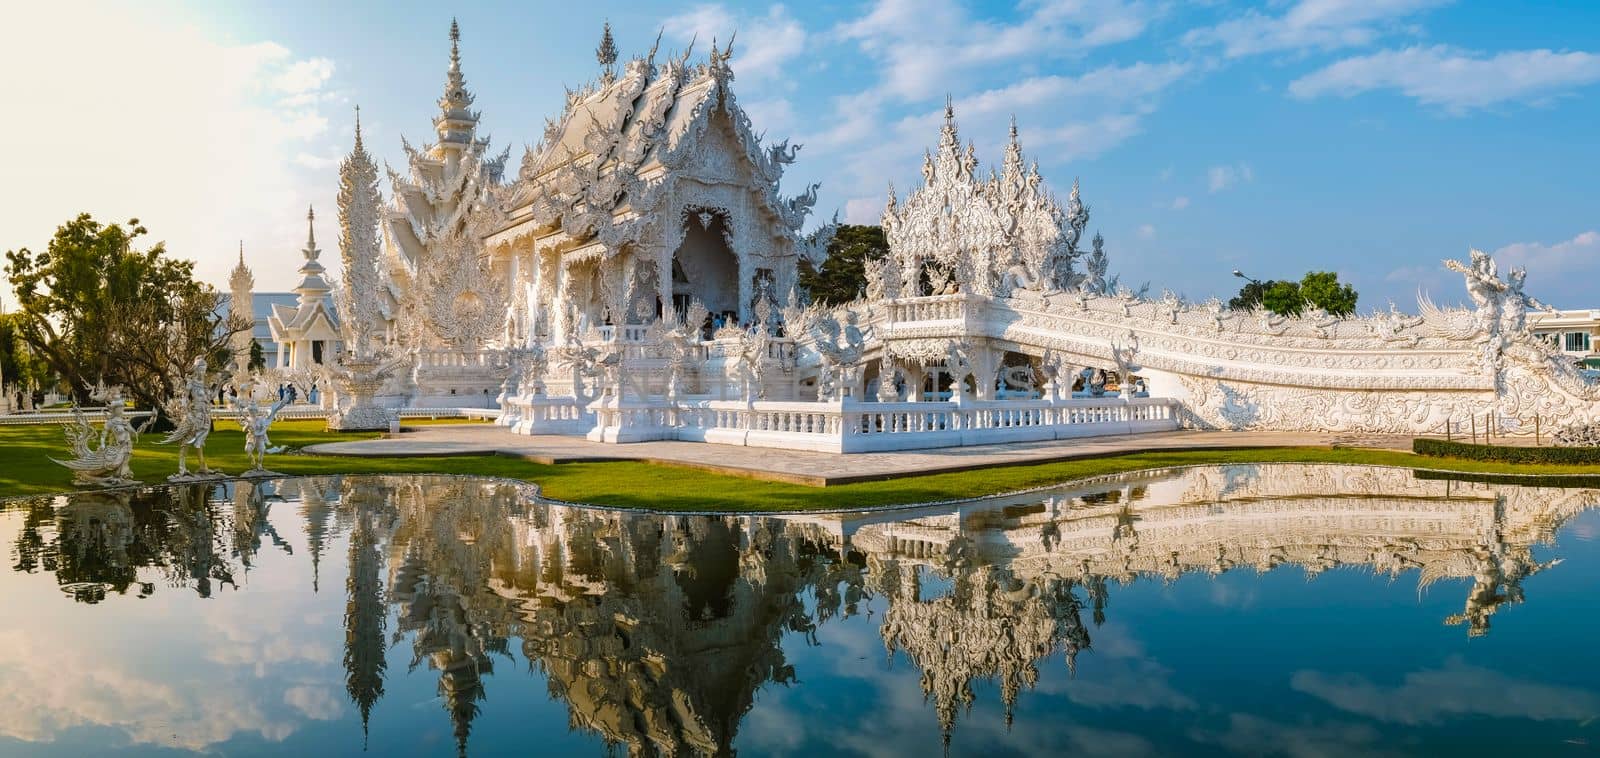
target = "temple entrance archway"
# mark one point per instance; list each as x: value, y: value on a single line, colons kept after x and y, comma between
x: 704, y: 266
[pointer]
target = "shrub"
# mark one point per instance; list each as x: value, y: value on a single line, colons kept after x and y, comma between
x: 1505, y: 453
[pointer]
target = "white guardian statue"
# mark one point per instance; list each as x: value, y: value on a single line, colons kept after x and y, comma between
x: 191, y: 410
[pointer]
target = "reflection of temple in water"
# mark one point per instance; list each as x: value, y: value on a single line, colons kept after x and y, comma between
x: 658, y: 631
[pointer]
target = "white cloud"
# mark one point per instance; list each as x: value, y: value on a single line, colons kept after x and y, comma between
x: 1457, y: 689
x: 1219, y: 178
x: 774, y: 116
x: 302, y: 77
x: 1179, y: 203
x: 1123, y: 83
x: 151, y: 118
x: 1087, y: 139
x: 925, y: 46
x: 1579, y: 253
x: 764, y: 43
x: 1254, y: 735
x: 1561, y: 272
x: 1455, y: 80
x: 863, y: 210
x: 1146, y: 232
x: 1309, y: 24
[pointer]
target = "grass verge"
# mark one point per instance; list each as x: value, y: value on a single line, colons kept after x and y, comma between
x: 25, y: 469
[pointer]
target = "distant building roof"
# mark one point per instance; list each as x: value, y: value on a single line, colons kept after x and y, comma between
x: 261, y: 306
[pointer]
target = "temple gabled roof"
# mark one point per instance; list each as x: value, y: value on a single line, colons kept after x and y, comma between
x: 617, y: 138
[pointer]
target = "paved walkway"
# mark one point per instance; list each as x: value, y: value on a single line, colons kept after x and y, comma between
x: 811, y: 468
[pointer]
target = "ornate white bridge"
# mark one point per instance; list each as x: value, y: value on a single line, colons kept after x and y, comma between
x: 1007, y: 365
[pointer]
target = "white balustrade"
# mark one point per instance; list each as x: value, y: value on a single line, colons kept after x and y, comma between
x: 865, y: 427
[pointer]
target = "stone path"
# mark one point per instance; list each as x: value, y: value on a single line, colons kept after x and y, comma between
x: 811, y: 468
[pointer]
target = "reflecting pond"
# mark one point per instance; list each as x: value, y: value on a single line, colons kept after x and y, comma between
x: 1243, y: 609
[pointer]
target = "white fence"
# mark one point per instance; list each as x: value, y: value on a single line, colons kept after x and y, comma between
x: 874, y: 427
x: 229, y: 414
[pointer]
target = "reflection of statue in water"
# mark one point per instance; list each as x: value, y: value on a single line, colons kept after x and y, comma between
x: 107, y: 463
x: 192, y: 411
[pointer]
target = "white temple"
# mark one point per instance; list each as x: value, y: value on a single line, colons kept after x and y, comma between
x: 308, y: 333
x: 636, y: 280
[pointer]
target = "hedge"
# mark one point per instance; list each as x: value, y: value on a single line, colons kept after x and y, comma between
x: 1560, y: 481
x: 1505, y: 453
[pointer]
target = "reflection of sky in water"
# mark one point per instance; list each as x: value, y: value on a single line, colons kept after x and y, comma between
x: 1214, y: 657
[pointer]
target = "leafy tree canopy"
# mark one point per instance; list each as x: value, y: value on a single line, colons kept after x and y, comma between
x: 94, y: 307
x: 842, y: 277
x: 18, y: 365
x: 1320, y: 289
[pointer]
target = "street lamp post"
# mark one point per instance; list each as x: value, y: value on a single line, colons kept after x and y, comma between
x: 1240, y: 274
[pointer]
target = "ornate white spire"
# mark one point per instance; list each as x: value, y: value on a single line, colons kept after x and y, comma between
x: 241, y: 307
x: 456, y: 122
x: 1013, y: 167
x: 311, y: 251
x: 606, y: 54
x: 359, y: 204
x: 948, y: 138
x: 311, y: 282
x: 241, y: 278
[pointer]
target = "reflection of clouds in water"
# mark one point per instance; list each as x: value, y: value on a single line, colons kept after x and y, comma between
x: 1458, y: 689
x: 175, y: 670
x: 263, y: 634
x: 1116, y: 673
x: 1122, y: 677
x: 47, y: 693
x: 315, y: 702
x: 1253, y: 735
x: 1233, y: 591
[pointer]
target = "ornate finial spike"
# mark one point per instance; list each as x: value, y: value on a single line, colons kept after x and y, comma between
x: 949, y: 108
x: 1013, y: 127
x: 358, y: 127
x: 651, y: 58
x: 311, y: 228
x: 455, y: 47
x: 728, y: 51
x: 606, y: 53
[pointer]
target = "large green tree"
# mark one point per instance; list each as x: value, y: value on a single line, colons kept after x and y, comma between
x: 1320, y: 289
x: 18, y: 365
x: 94, y: 307
x: 1323, y: 290
x: 843, y: 277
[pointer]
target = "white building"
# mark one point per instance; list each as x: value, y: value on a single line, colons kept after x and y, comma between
x: 306, y: 333
x: 1575, y: 333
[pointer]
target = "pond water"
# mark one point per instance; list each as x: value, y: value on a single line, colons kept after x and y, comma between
x: 1247, y: 609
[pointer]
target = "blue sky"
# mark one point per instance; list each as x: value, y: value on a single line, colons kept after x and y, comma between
x: 1369, y: 138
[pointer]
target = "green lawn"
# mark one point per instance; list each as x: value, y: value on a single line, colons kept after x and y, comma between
x: 25, y: 469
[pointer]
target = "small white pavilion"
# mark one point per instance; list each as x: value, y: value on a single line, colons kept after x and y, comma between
x: 307, y: 333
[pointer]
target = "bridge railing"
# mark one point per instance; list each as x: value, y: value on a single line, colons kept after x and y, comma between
x: 868, y: 427
x: 930, y: 308
x: 219, y: 414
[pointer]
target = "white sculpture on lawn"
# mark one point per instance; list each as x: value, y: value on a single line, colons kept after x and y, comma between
x: 257, y: 408
x: 644, y: 240
x: 108, y: 463
x: 191, y: 411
